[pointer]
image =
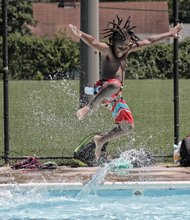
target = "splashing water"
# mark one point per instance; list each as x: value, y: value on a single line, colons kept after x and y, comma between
x: 138, y: 158
x: 49, y: 114
x: 92, y: 185
x: 127, y: 160
x: 100, y: 175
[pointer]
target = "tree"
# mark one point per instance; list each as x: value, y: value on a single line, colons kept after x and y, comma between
x: 33, y: 57
x: 20, y: 16
x: 184, y: 10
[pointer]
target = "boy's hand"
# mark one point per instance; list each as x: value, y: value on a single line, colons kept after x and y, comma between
x: 75, y: 30
x: 175, y: 30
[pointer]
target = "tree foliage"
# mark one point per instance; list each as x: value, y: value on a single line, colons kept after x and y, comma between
x: 184, y: 64
x: 32, y: 57
x: 20, y: 16
x: 156, y: 62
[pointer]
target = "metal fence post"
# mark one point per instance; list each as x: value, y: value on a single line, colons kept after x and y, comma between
x: 89, y: 57
x: 6, y: 81
x: 176, y: 78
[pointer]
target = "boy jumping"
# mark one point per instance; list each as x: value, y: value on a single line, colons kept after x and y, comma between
x: 108, y: 90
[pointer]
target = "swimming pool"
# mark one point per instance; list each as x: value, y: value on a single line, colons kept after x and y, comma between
x: 119, y: 201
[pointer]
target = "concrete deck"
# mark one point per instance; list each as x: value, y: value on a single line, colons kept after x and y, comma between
x: 82, y: 175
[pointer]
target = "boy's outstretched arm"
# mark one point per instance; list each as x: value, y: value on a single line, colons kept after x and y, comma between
x: 89, y: 40
x: 174, y: 32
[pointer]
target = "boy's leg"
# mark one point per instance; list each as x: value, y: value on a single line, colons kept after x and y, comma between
x: 122, y: 116
x: 123, y: 129
x: 107, y: 90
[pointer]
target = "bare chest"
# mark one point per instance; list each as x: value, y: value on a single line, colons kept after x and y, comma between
x: 112, y: 68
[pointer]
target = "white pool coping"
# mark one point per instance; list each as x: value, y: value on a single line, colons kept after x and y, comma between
x: 106, y: 185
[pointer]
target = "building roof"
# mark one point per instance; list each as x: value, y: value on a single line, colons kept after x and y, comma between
x: 149, y: 17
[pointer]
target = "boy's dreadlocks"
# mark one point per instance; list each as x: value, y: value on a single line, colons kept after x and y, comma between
x: 118, y: 33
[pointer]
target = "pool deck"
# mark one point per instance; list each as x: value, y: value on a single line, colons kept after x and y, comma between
x: 63, y: 174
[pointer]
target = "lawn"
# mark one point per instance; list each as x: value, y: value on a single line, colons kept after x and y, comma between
x: 43, y: 122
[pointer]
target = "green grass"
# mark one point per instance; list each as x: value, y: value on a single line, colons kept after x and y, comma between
x: 43, y: 122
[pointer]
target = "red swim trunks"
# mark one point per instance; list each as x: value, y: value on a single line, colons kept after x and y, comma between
x: 116, y: 104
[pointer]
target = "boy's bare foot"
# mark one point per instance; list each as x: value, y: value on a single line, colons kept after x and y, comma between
x: 99, y: 145
x: 81, y: 113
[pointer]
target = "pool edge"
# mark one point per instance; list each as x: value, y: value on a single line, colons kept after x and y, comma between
x: 108, y: 185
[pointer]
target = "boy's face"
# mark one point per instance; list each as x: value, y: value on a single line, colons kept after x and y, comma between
x: 121, y: 47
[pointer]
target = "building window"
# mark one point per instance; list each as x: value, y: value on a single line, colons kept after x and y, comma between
x: 67, y: 3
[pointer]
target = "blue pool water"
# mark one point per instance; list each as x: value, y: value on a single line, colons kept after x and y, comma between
x: 116, y: 203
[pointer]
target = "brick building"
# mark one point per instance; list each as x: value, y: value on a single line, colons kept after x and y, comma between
x: 149, y: 17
